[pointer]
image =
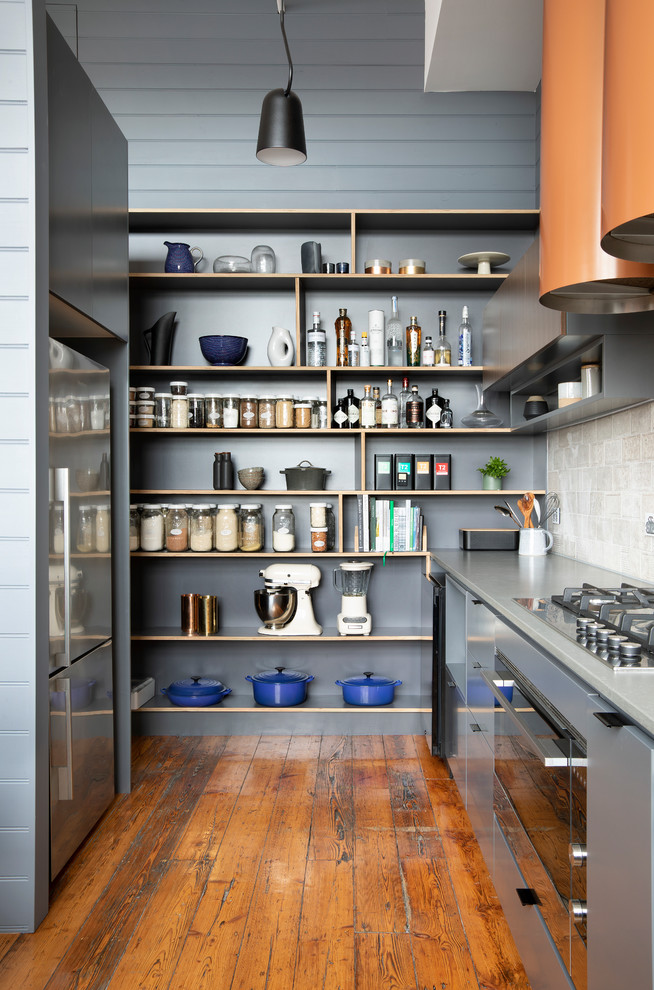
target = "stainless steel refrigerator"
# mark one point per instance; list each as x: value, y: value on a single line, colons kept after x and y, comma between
x: 81, y: 693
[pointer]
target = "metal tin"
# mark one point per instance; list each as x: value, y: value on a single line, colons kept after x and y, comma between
x: 378, y: 266
x: 412, y: 266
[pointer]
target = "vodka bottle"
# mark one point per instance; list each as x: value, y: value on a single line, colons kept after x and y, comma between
x: 465, y: 340
x: 390, y: 408
x: 415, y: 409
x: 364, y: 350
x: 316, y: 344
x: 447, y: 419
x: 376, y: 338
x: 377, y: 397
x: 433, y: 409
x: 413, y: 333
x: 395, y: 337
x: 352, y: 409
x: 443, y: 348
x: 404, y: 395
x: 428, y: 353
x: 353, y: 350
x: 368, y: 410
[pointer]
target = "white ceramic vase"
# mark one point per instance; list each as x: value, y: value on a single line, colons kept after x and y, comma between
x: 281, y: 348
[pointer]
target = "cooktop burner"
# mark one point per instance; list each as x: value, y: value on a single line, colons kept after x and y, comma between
x: 614, y: 624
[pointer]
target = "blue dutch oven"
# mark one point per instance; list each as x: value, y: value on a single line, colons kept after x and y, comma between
x: 368, y: 689
x: 196, y: 692
x: 279, y: 688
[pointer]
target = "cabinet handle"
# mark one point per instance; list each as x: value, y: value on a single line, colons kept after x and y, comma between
x: 475, y: 727
x: 476, y: 666
x: 577, y: 853
x: 578, y: 911
x: 476, y: 601
x: 527, y: 896
x: 612, y: 720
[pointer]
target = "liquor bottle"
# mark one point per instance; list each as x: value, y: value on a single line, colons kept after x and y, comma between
x: 353, y: 350
x: 341, y: 421
x: 465, y: 340
x: 447, y: 419
x: 413, y: 332
x: 390, y: 408
x: 428, y: 353
x: 404, y: 395
x: 376, y: 338
x: 352, y: 409
x: 377, y: 397
x: 415, y: 409
x: 343, y: 326
x: 364, y: 350
x: 395, y: 337
x: 443, y: 348
x: 433, y: 409
x: 368, y: 411
x: 316, y: 344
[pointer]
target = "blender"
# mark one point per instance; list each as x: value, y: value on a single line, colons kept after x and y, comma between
x: 352, y: 579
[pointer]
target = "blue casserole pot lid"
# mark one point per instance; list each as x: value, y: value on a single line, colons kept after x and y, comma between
x: 197, y: 687
x: 368, y: 679
x: 281, y: 675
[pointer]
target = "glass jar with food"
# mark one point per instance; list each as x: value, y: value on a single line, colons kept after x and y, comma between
x: 152, y: 528
x: 250, y: 529
x: 176, y: 529
x: 283, y: 526
x: 226, y: 527
x: 201, y: 528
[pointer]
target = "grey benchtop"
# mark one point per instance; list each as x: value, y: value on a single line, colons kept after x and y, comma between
x: 499, y: 577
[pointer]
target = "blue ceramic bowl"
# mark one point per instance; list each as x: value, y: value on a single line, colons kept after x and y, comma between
x: 223, y: 348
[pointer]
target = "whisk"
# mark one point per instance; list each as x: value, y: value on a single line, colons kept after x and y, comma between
x: 552, y: 503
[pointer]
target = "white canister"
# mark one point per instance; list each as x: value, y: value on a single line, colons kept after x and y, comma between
x: 376, y: 340
x: 590, y: 380
x: 569, y: 392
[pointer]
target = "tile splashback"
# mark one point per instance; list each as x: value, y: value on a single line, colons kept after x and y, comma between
x: 604, y: 474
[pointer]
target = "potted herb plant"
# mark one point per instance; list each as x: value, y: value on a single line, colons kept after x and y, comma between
x: 492, y: 473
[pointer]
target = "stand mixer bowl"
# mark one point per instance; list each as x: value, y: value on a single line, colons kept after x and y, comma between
x: 275, y: 606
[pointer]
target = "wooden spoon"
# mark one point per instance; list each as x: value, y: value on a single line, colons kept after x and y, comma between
x: 526, y: 506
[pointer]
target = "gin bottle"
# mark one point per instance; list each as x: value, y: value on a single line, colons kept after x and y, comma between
x: 433, y: 409
x: 352, y: 409
x: 404, y: 396
x: 368, y: 410
x: 443, y: 349
x: 395, y: 337
x: 389, y: 408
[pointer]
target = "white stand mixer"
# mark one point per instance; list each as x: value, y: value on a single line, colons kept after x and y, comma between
x: 295, y: 577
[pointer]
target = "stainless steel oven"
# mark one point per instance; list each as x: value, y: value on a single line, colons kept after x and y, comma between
x: 539, y: 806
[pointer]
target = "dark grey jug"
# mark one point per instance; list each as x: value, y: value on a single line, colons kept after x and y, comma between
x: 159, y: 339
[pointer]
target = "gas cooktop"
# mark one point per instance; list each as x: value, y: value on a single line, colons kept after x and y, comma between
x: 616, y: 625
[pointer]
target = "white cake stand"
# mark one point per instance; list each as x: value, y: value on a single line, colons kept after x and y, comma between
x: 483, y: 261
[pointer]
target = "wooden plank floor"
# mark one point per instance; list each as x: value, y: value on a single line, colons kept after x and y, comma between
x: 275, y: 863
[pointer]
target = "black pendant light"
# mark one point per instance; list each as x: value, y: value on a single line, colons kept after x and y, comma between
x: 281, y: 129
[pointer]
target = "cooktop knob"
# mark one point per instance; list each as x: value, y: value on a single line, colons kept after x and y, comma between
x: 630, y: 652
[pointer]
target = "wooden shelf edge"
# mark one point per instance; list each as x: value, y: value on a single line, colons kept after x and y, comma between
x: 240, y: 555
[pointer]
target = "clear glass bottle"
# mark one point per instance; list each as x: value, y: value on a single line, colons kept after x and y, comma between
x: 465, y: 340
x: 340, y: 415
x: 368, y: 410
x: 394, y: 337
x: 405, y: 394
x: 201, y: 528
x: 250, y: 528
x: 443, y: 348
x: 176, y: 529
x: 283, y: 529
x: 390, y: 409
x: 225, y: 536
x: 352, y: 408
x: 447, y: 418
x: 377, y: 397
x: 364, y: 350
x: 152, y: 528
x: 433, y: 409
x: 413, y: 333
x: 316, y: 344
x: 428, y: 353
x: 343, y: 326
x: 353, y: 350
x: 415, y: 410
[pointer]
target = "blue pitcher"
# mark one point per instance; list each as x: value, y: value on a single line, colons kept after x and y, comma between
x: 180, y: 258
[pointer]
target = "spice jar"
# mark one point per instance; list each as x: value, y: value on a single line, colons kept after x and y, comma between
x: 176, y: 528
x: 319, y: 539
x: 179, y: 405
x: 249, y: 412
x: 85, y: 529
x: 318, y: 515
x: 152, y: 528
x: 196, y: 410
x: 213, y: 412
x: 250, y: 529
x: 267, y: 412
x: 231, y: 408
x: 57, y: 527
x: 103, y: 527
x: 145, y: 392
x: 226, y: 527
x: 163, y: 409
x: 302, y: 415
x: 145, y: 413
x: 134, y: 528
x: 201, y: 526
x: 284, y: 412
x: 283, y: 522
x: 319, y: 414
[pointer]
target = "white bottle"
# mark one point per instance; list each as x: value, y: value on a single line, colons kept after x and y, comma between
x: 465, y: 340
x: 376, y: 338
x: 353, y: 351
x: 428, y: 354
x: 364, y: 351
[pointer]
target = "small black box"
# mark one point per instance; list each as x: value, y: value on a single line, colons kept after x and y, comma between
x: 488, y: 539
x: 384, y: 472
x: 442, y: 472
x: 405, y: 470
x: 424, y: 472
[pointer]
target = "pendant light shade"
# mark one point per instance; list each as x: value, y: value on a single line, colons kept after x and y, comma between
x: 576, y: 275
x: 628, y: 138
x: 281, y: 128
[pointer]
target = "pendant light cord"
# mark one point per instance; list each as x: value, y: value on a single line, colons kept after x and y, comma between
x: 288, y: 53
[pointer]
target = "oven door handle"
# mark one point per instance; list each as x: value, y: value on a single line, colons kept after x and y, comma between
x: 546, y: 749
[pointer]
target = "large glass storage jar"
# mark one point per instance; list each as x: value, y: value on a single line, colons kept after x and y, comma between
x: 134, y: 528
x: 179, y: 405
x: 250, y: 529
x: 231, y: 410
x: 152, y: 528
x: 196, y: 410
x: 302, y: 415
x: 213, y: 411
x: 331, y: 527
x: 176, y: 528
x: 318, y: 514
x: 319, y: 414
x: 267, y: 412
x: 284, y: 412
x: 283, y: 526
x: 57, y: 531
x: 102, y: 527
x: 201, y: 528
x: 85, y: 529
x: 249, y: 414
x: 163, y: 407
x: 226, y: 527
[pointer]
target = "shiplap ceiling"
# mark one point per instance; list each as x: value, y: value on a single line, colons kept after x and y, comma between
x: 482, y: 45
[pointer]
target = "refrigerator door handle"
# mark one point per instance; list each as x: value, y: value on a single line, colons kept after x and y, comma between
x: 62, y: 494
x: 65, y: 772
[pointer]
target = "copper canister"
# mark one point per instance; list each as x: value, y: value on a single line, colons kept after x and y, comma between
x: 412, y: 266
x: 190, y: 614
x: 378, y: 266
x: 207, y: 615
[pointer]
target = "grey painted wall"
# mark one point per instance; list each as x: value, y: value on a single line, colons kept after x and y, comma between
x: 186, y: 89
